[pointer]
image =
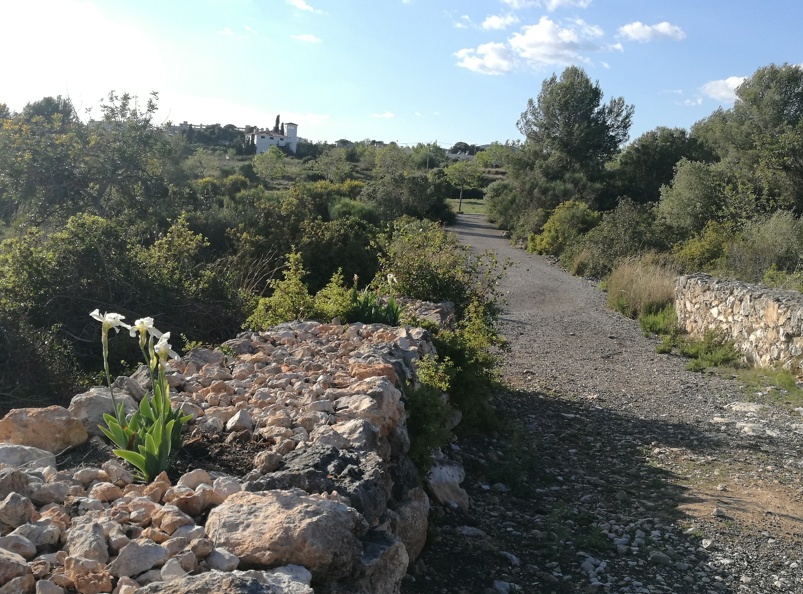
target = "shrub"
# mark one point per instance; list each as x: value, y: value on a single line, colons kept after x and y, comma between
x: 290, y: 299
x: 335, y: 300
x: 569, y: 221
x: 346, y: 207
x: 662, y: 322
x: 429, y: 264
x: 640, y: 286
x: 628, y: 230
x: 428, y: 411
x: 704, y: 252
x: 713, y: 350
x: 775, y: 240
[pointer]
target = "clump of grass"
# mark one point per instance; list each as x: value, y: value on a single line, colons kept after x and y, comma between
x: 713, y: 350
x: 663, y: 322
x: 776, y: 383
x: 641, y: 286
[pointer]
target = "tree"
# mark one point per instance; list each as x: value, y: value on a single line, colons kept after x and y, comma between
x: 464, y: 175
x: 391, y: 160
x: 569, y: 121
x: 649, y: 162
x: 496, y: 155
x: 271, y: 164
x: 427, y: 156
x: 202, y: 163
x: 332, y: 165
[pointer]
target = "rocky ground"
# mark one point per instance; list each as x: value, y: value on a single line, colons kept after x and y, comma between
x: 614, y: 469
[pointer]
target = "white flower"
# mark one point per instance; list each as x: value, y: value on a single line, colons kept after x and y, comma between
x: 110, y: 320
x: 144, y: 325
x: 163, y: 348
x: 392, y: 279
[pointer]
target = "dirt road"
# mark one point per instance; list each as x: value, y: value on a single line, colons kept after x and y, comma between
x: 615, y: 470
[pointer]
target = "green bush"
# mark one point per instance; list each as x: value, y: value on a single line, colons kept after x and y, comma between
x: 704, y: 252
x: 568, y: 222
x: 429, y: 264
x: 335, y: 300
x: 290, y: 299
x: 661, y: 322
x: 775, y: 240
x: 428, y: 412
x: 714, y: 350
x: 629, y: 230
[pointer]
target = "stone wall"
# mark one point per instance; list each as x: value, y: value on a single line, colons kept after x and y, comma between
x: 332, y: 501
x: 765, y: 324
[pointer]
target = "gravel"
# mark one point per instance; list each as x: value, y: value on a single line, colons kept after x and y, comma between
x: 614, y: 469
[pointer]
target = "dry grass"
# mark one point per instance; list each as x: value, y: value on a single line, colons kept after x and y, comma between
x: 639, y: 286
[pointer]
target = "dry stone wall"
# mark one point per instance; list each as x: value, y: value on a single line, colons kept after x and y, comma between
x: 333, y: 502
x: 765, y: 324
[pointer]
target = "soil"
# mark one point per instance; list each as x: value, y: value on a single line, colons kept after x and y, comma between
x: 615, y: 469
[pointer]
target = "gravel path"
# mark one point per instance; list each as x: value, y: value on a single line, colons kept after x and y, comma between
x: 615, y: 470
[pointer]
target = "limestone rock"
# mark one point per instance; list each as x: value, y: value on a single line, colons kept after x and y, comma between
x: 27, y: 456
x: 52, y: 428
x: 16, y: 510
x: 90, y: 406
x: 11, y: 566
x: 136, y: 558
x: 289, y: 527
x: 443, y: 483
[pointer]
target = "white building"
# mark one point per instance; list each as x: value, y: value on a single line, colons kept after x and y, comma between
x: 264, y: 139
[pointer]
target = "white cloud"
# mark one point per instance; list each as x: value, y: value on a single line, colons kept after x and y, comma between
x: 722, y: 90
x: 464, y: 22
x: 555, y: 4
x: 300, y: 5
x: 637, y: 31
x: 549, y: 44
x: 499, y: 22
x: 383, y: 116
x: 307, y: 38
x: 550, y: 5
x: 693, y: 102
x: 489, y: 58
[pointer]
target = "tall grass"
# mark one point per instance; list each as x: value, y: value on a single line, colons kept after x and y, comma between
x: 641, y: 286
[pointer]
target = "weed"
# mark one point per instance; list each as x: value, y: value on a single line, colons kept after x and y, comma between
x: 663, y: 322
x: 714, y: 350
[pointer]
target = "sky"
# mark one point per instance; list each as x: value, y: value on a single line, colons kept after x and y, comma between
x: 407, y: 71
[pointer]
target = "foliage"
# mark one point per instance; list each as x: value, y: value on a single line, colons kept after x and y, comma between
x: 464, y: 175
x: 368, y: 308
x: 335, y: 300
x: 471, y: 349
x: 566, y: 224
x: 411, y: 194
x: 496, y: 155
x: 290, y: 299
x: 148, y: 436
x: 429, y: 264
x: 641, y: 286
x: 345, y: 207
x: 765, y: 242
x: 694, y: 197
x: 713, y: 350
x: 270, y: 165
x: 570, y: 120
x: 428, y: 411
x: 649, y: 162
x: 781, y: 279
x: 628, y: 230
x: 661, y: 322
x: 427, y: 156
x: 704, y: 251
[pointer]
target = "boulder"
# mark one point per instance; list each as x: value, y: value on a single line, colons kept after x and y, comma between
x: 11, y: 566
x: 52, y: 428
x: 27, y: 456
x: 272, y: 528
x: 90, y: 407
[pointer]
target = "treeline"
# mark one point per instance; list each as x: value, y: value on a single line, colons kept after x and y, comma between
x: 118, y: 215
x: 724, y: 197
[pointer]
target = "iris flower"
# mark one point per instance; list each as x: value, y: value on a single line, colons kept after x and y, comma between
x: 110, y: 320
x: 163, y: 348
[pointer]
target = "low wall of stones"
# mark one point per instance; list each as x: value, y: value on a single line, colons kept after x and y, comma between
x: 766, y: 325
x: 332, y: 501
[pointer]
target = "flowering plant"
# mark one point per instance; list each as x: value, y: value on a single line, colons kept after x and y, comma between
x: 150, y: 434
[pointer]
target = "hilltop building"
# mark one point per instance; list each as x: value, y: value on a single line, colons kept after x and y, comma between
x: 287, y: 136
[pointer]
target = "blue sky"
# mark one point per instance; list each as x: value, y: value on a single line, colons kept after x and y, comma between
x: 395, y: 70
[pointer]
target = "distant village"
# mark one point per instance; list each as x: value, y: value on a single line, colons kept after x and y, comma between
x: 254, y: 140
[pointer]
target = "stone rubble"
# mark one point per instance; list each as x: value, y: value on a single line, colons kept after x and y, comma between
x: 333, y: 501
